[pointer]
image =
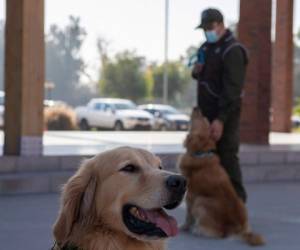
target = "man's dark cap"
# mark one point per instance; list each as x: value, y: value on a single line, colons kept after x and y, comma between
x: 209, y: 16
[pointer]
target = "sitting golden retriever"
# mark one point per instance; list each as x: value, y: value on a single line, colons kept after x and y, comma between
x: 115, y: 201
x: 213, y: 207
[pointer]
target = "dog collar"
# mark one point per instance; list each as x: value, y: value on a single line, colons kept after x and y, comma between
x: 203, y: 154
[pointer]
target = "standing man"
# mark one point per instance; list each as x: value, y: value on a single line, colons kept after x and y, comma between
x: 220, y: 71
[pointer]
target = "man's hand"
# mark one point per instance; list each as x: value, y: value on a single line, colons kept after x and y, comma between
x: 197, y: 69
x: 216, y: 129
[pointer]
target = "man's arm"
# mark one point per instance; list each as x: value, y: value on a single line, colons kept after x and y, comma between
x: 233, y: 79
x: 198, y: 66
x: 196, y: 71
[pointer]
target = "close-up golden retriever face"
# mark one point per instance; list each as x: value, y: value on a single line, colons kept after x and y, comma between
x: 123, y: 191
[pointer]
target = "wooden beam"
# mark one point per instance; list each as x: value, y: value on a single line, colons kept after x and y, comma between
x: 24, y: 77
x: 255, y: 33
x: 282, y: 77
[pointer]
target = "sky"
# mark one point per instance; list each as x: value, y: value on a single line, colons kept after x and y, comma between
x: 139, y: 24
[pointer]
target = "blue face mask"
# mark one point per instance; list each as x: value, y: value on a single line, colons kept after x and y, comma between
x: 211, y: 36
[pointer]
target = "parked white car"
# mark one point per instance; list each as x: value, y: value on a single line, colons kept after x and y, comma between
x: 111, y: 113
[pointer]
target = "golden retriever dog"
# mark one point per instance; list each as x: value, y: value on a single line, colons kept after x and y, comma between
x: 116, y: 201
x: 213, y: 207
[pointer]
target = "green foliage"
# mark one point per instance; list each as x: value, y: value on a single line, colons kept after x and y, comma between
x: 296, y: 109
x: 149, y: 84
x: 178, y: 78
x: 297, y: 67
x: 124, y: 77
x: 127, y: 76
x: 64, y: 64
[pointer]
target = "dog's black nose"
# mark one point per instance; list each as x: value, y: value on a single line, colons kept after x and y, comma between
x: 176, y: 183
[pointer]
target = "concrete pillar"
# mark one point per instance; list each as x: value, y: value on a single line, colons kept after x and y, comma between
x: 282, y: 75
x: 255, y: 33
x: 24, y: 77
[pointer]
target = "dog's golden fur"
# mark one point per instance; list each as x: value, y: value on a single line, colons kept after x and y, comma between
x: 90, y: 216
x: 213, y: 207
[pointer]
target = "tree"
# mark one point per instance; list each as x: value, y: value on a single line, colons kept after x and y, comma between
x: 103, y: 48
x: 124, y: 76
x: 64, y: 65
x: 178, y: 78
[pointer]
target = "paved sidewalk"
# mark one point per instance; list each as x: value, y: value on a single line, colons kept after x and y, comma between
x: 25, y: 221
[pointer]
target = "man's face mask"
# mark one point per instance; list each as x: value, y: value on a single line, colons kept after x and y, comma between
x: 211, y: 36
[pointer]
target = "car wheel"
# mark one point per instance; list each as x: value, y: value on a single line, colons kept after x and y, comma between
x: 84, y: 125
x: 118, y: 126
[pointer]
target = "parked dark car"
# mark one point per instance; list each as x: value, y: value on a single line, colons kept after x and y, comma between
x: 167, y: 117
x: 296, y: 121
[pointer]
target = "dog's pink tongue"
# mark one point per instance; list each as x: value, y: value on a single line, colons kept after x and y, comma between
x: 167, y: 223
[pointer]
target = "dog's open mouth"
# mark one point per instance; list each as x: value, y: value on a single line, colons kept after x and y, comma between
x: 150, y: 222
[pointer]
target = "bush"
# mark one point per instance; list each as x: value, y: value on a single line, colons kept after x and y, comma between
x: 59, y: 117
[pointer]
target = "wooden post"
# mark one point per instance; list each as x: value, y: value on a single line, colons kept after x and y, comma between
x: 255, y: 34
x: 24, y: 77
x: 282, y: 77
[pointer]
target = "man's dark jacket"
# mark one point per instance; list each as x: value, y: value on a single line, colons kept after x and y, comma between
x: 221, y: 80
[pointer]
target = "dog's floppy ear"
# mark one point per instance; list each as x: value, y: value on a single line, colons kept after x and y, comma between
x: 77, y: 198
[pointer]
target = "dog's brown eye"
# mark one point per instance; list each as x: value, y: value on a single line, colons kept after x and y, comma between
x: 160, y: 167
x: 130, y: 168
